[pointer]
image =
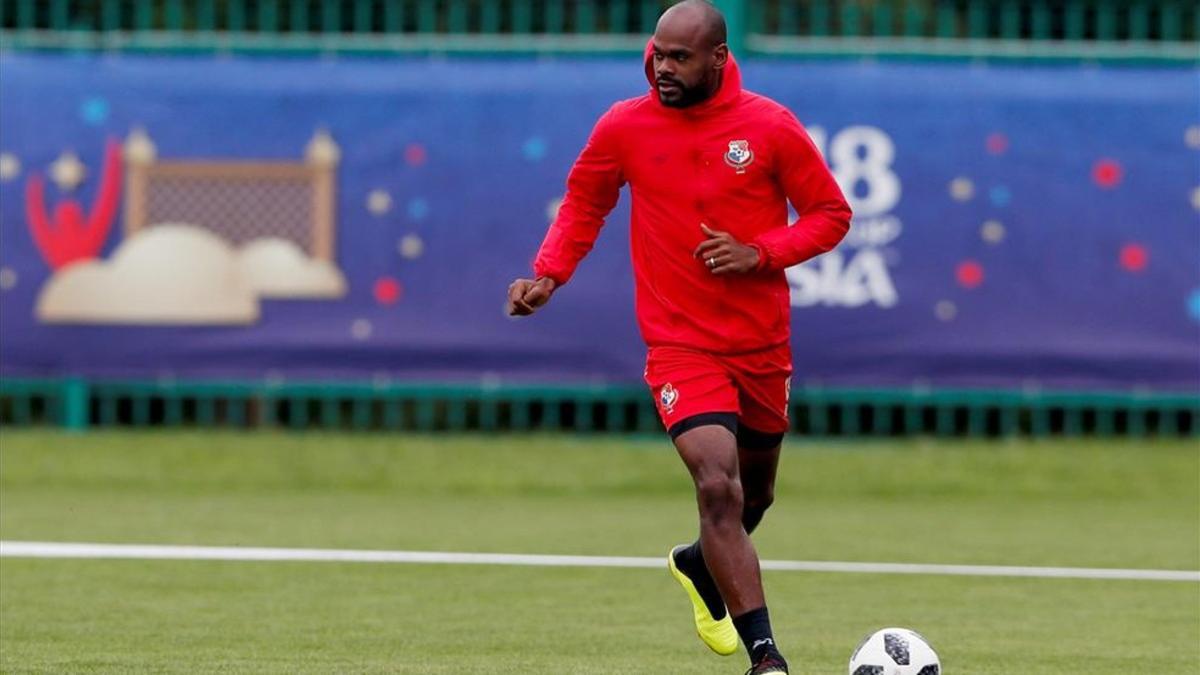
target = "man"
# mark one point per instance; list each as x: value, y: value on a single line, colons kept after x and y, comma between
x: 711, y: 168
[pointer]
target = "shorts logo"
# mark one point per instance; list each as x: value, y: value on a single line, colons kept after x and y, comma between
x: 740, y: 155
x: 668, y: 396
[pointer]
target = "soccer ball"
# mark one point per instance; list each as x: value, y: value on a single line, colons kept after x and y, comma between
x: 894, y: 651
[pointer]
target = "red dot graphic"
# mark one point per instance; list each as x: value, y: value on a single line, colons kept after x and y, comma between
x: 1107, y: 173
x: 1134, y: 257
x: 997, y: 143
x: 387, y: 291
x: 969, y: 274
x: 415, y: 154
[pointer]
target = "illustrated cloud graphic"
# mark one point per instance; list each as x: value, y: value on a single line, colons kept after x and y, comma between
x: 278, y: 268
x: 169, y: 274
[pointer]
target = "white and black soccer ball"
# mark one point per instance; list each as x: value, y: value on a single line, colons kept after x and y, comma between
x: 895, y: 651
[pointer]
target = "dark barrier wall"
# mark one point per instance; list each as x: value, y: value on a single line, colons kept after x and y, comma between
x: 1016, y: 226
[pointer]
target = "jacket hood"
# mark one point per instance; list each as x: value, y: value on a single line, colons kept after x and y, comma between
x: 730, y: 89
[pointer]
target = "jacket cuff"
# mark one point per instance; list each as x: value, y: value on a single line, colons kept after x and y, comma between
x: 764, y: 259
x: 558, y: 278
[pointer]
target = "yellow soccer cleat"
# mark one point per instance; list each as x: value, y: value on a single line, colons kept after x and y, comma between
x: 719, y: 635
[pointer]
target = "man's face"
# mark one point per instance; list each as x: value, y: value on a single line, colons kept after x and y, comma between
x: 686, y: 65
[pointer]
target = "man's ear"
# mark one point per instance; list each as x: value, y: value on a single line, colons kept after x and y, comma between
x: 720, y: 56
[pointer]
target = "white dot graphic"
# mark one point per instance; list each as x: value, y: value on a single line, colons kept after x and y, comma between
x: 10, y: 166
x: 379, y: 202
x: 411, y: 246
x: 67, y: 171
x: 8, y: 278
x: 1191, y: 137
x: 1196, y: 198
x: 962, y: 189
x: 361, y: 329
x: 552, y: 208
x: 945, y: 310
x: 992, y: 232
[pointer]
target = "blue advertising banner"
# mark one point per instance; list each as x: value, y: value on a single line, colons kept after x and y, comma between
x: 192, y: 217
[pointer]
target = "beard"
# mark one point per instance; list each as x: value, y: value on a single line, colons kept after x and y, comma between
x: 683, y: 96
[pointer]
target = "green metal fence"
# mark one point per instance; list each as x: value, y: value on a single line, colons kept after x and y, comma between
x: 1100, y: 29
x: 77, y: 404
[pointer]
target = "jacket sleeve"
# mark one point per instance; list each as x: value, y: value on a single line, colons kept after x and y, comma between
x: 824, y: 214
x: 593, y: 186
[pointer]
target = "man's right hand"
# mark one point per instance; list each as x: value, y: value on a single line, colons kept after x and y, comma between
x: 525, y: 296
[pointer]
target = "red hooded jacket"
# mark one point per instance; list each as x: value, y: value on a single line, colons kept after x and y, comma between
x: 732, y: 162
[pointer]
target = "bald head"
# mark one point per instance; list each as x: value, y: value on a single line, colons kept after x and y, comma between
x: 689, y: 53
x: 696, y: 17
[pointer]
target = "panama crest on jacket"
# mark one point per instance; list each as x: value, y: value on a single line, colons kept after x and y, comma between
x: 740, y: 155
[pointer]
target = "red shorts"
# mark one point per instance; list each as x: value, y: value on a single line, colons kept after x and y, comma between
x: 754, y: 386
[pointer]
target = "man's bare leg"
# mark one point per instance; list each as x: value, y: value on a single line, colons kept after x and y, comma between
x: 712, y: 457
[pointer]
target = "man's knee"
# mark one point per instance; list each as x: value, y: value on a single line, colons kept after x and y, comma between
x: 720, y: 498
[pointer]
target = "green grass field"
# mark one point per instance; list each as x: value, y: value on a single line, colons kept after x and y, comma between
x: 1085, y: 504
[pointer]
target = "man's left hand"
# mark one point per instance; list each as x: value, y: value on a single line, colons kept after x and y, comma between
x: 722, y: 254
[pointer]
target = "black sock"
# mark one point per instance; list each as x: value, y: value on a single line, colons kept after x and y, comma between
x: 690, y: 561
x: 754, y: 627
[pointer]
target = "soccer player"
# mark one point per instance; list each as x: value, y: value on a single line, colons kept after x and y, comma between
x: 711, y: 168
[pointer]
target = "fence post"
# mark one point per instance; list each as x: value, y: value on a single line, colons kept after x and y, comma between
x: 735, y: 24
x: 322, y: 155
x: 139, y: 153
x: 75, y: 404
